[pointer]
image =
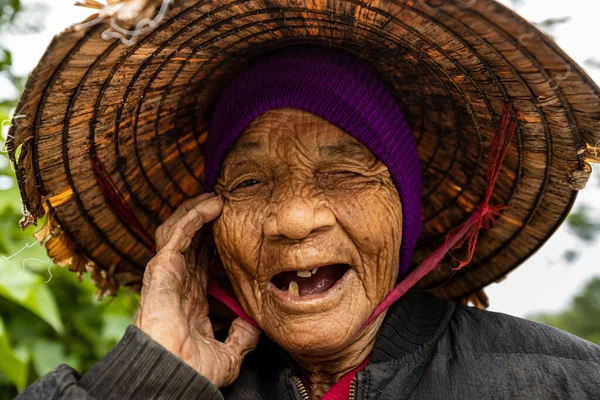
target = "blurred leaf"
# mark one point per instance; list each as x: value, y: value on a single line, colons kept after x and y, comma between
x: 20, y: 17
x: 592, y: 62
x: 47, y: 355
x: 548, y: 25
x: 29, y: 291
x: 8, y: 202
x: 570, y: 256
x: 13, y: 367
x: 9, y: 10
x: 552, y: 22
x: 5, y: 59
x: 585, y: 226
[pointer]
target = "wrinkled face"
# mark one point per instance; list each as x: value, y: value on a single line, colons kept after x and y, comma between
x: 310, y: 230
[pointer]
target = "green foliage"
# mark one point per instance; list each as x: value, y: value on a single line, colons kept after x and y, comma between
x: 583, y: 224
x: 582, y: 317
x: 9, y: 10
x: 46, y: 317
x: 13, y: 367
x: 29, y: 291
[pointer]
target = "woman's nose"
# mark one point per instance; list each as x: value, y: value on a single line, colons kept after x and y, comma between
x: 297, y: 218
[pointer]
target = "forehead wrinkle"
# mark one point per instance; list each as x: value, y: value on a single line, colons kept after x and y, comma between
x: 347, y: 149
x: 289, y: 134
x: 245, y: 148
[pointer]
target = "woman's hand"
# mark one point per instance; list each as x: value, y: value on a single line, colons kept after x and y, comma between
x: 174, y: 309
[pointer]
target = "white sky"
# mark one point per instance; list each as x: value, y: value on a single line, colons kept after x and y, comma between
x: 545, y: 282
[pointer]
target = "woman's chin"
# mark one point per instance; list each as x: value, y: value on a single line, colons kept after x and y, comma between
x: 317, y: 332
x: 316, y: 337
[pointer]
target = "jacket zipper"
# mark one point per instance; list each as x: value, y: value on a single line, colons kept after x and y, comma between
x: 352, y: 395
x: 301, y: 388
x: 304, y: 392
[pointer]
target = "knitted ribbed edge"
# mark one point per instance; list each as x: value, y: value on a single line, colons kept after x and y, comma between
x: 337, y: 88
x: 140, y: 368
x: 409, y: 323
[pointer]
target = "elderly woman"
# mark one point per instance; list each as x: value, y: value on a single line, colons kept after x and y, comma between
x: 315, y: 203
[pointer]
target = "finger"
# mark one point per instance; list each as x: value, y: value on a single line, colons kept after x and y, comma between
x: 186, y: 206
x: 161, y: 289
x: 181, y: 234
x: 181, y: 210
x: 138, y: 316
x: 200, y: 326
x: 243, y: 337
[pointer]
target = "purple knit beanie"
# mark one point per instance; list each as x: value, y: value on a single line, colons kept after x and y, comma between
x: 336, y: 87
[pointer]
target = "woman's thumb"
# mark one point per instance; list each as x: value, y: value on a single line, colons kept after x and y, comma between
x: 243, y: 338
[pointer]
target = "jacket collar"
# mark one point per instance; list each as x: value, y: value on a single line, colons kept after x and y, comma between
x: 409, y: 323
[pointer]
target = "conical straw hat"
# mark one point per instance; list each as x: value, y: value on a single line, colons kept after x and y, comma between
x: 105, y: 107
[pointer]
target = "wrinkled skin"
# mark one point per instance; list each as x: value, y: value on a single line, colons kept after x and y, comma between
x: 173, y: 306
x: 300, y: 192
x: 295, y: 192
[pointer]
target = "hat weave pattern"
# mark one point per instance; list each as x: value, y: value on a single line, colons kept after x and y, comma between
x: 335, y: 87
x: 143, y: 112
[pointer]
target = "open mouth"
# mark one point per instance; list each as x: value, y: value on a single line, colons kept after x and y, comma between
x: 304, y: 283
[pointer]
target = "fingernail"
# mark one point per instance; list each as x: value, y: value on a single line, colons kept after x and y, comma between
x: 217, y: 197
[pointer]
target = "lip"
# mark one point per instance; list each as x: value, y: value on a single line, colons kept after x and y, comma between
x: 312, y: 299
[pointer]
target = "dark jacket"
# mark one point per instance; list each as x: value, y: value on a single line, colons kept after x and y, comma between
x: 427, y: 349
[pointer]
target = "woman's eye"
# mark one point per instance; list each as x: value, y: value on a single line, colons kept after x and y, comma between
x: 335, y: 178
x: 342, y: 174
x: 247, y: 183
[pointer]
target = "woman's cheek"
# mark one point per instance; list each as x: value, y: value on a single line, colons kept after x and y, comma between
x: 238, y: 242
x: 372, y: 217
x: 238, y: 232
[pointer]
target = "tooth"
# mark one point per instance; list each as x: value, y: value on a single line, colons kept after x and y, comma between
x: 314, y: 271
x: 304, y: 274
x: 294, y: 289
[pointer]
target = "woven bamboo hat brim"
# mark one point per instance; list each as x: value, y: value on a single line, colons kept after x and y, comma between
x: 142, y: 111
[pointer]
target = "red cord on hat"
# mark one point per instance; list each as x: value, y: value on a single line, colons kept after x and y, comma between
x: 217, y: 292
x: 483, y: 216
x: 116, y: 201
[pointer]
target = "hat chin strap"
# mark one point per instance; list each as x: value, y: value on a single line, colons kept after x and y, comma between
x: 483, y: 217
x: 431, y: 262
x: 217, y: 292
x: 454, y: 238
